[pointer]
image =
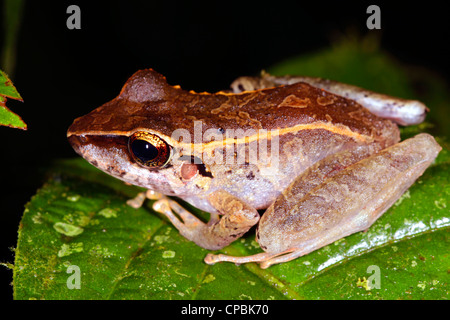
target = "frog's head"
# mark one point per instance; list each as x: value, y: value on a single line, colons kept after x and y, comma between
x: 136, y: 159
x: 129, y: 137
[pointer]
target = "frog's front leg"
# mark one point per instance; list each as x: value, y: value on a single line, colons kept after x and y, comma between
x: 237, y: 218
x: 350, y: 201
x: 138, y: 201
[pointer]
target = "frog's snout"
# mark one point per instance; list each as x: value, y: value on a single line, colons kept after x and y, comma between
x: 76, y: 142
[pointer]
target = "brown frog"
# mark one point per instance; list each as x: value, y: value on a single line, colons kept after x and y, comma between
x: 307, y: 151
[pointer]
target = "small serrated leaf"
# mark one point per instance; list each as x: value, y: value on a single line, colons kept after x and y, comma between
x: 7, y: 88
x: 10, y: 119
x: 7, y: 117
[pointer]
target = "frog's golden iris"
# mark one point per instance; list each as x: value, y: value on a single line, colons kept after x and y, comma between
x: 148, y: 149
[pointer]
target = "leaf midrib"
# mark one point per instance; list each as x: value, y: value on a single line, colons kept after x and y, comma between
x: 132, y: 256
x: 264, y: 274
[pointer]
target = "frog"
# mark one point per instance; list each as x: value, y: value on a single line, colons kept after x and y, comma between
x: 302, y: 161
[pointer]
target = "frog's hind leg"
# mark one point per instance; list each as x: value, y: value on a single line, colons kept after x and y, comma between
x: 301, y: 221
x: 264, y: 259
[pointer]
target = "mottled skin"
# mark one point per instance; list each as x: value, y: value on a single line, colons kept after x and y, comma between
x: 401, y: 111
x: 329, y: 149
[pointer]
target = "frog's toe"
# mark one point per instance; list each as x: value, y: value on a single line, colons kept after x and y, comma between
x: 264, y: 259
x: 214, y: 258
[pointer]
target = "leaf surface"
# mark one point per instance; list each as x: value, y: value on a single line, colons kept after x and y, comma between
x: 80, y: 218
x: 7, y: 90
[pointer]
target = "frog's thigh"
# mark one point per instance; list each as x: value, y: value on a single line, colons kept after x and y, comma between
x: 347, y: 203
x: 238, y: 218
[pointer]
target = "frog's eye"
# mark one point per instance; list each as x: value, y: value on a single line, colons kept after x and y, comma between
x: 148, y: 149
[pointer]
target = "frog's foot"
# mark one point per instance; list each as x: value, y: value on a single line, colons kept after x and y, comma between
x: 264, y: 259
x: 267, y: 259
x: 138, y: 201
x: 166, y: 207
x: 237, y: 219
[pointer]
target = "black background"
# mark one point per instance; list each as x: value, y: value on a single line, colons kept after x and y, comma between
x: 62, y: 74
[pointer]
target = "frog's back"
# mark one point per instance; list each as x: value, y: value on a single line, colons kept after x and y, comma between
x: 305, y: 124
x: 148, y: 101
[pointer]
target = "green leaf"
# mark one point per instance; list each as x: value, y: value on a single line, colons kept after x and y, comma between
x: 7, y: 90
x: 125, y: 253
x: 122, y: 253
x: 80, y: 218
